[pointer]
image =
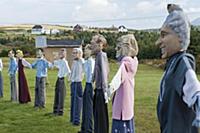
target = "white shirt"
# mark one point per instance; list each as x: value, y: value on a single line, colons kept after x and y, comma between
x: 77, y: 70
x: 63, y: 67
x: 1, y: 65
x: 191, y: 88
x: 191, y: 93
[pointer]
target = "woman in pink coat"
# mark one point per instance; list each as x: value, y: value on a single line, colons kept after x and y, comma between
x: 123, y: 85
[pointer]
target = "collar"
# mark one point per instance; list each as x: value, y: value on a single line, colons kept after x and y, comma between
x: 173, y: 57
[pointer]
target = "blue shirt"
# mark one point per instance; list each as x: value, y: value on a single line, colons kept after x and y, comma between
x: 12, y: 66
x: 89, y: 69
x: 41, y: 66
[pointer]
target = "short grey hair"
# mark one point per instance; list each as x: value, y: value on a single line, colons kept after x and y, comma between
x: 79, y: 51
x: 179, y: 23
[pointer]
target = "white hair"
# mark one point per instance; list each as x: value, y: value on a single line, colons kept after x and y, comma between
x: 179, y: 23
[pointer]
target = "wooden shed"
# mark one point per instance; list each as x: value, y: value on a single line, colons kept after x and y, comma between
x: 53, y: 47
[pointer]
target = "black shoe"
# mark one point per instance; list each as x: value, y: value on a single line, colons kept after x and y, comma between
x: 60, y: 114
x: 42, y: 107
x: 76, y: 124
x: 50, y: 114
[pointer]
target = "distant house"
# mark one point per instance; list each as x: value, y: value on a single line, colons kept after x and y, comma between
x: 52, y: 47
x: 78, y: 28
x: 37, y: 29
x: 46, y: 31
x: 55, y: 31
x: 122, y: 28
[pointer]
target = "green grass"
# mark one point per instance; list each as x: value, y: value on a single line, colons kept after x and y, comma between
x: 23, y: 118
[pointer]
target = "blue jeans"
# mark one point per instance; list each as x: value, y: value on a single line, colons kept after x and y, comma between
x: 76, y: 102
x: 120, y: 126
x: 1, y: 85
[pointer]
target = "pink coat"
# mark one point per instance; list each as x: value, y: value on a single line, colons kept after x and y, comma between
x: 123, y: 104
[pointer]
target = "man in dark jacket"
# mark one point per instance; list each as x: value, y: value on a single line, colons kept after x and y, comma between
x: 179, y: 87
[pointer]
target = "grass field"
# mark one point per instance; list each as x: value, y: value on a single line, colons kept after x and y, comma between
x: 23, y: 118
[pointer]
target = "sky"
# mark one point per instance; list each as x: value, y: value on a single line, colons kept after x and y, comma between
x: 135, y: 14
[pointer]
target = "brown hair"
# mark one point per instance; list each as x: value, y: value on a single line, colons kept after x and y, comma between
x: 101, y: 39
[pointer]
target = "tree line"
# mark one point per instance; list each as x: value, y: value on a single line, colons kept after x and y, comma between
x: 146, y: 42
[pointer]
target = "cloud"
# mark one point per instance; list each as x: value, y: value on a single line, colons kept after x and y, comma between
x: 35, y: 11
x: 97, y: 9
x: 61, y: 11
x: 179, y: 2
x: 144, y: 6
x: 192, y: 9
x: 149, y: 7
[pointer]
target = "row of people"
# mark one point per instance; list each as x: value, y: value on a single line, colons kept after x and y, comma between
x: 179, y: 87
x: 95, y: 105
x: 24, y: 96
x: 95, y: 70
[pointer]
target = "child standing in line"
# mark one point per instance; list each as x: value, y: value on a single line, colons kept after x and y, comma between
x: 41, y: 65
x: 76, y: 86
x: 1, y: 79
x: 101, y: 72
x: 60, y: 89
x: 12, y: 69
x: 24, y: 96
x: 87, y: 113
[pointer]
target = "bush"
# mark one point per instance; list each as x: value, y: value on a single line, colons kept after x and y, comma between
x: 146, y: 41
x: 4, y: 53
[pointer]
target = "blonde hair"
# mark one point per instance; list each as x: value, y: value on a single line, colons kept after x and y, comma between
x: 129, y: 45
x: 20, y: 53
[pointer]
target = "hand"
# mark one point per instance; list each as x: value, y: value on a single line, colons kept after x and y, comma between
x: 55, y: 57
x: 106, y: 97
x: 93, y: 85
x: 196, y: 121
x: 109, y: 91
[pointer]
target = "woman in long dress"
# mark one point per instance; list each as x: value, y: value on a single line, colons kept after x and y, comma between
x: 24, y: 95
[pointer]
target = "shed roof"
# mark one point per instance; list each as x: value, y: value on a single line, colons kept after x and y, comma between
x: 64, y: 43
x: 122, y: 26
x: 37, y: 27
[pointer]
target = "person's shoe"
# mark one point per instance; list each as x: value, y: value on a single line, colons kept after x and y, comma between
x: 60, y: 114
x: 76, y: 124
x: 50, y: 114
x: 42, y: 107
x: 36, y: 108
